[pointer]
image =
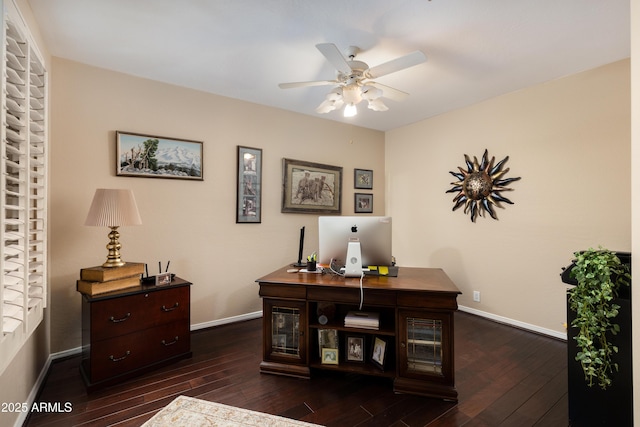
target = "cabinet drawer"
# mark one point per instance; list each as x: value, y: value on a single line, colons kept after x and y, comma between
x: 444, y: 301
x: 119, y: 316
x: 352, y: 295
x: 120, y: 355
x: 282, y: 291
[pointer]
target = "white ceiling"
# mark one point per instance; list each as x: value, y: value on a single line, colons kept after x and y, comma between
x: 243, y: 48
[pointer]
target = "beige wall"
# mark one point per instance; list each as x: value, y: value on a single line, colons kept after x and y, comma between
x: 190, y: 223
x: 569, y: 140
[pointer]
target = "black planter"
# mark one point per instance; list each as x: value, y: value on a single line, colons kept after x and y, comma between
x: 592, y: 406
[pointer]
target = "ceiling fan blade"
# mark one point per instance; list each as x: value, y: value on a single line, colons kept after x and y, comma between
x: 389, y: 92
x: 335, y: 57
x: 307, y: 84
x: 397, y: 64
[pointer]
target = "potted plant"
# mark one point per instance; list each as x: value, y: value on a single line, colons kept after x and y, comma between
x: 311, y: 262
x: 598, y: 313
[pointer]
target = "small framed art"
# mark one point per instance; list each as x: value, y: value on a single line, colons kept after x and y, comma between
x: 363, y: 179
x: 355, y: 348
x: 363, y: 203
x: 249, y: 185
x: 148, y: 156
x: 379, y: 352
x: 327, y: 338
x: 330, y: 356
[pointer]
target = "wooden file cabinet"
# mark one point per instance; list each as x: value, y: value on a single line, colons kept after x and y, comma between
x: 128, y: 332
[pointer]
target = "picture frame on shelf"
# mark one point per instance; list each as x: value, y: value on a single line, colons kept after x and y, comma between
x: 148, y: 156
x: 249, y: 186
x: 327, y: 338
x: 363, y: 179
x: 379, y: 352
x: 329, y: 356
x: 355, y: 348
x: 363, y: 203
x: 309, y: 187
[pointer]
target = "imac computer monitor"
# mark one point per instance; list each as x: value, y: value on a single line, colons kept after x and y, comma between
x: 373, y: 233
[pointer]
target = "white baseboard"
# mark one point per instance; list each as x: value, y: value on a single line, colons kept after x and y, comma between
x: 514, y: 323
x: 34, y: 393
x: 226, y: 320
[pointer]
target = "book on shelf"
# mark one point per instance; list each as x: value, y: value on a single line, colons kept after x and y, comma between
x: 362, y: 319
x: 95, y: 288
x: 104, y: 274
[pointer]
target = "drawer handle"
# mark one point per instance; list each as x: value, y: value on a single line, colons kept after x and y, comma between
x: 167, y: 344
x: 164, y: 307
x: 114, y: 320
x: 117, y: 359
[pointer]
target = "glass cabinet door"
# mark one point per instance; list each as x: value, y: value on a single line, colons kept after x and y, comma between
x: 284, y: 331
x: 425, y: 344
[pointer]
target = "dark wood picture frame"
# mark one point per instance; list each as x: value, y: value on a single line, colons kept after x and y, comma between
x: 379, y: 352
x: 354, y: 348
x: 249, y: 186
x: 363, y: 203
x: 148, y: 156
x: 309, y: 187
x: 363, y: 179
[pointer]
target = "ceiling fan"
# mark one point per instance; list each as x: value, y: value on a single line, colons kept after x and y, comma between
x: 354, y: 80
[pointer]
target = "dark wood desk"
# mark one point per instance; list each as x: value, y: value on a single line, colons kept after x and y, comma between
x: 415, y: 330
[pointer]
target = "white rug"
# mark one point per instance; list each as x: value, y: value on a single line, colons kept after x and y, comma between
x: 191, y: 412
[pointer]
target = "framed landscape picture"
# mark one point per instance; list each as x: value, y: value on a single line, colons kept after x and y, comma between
x: 249, y: 185
x: 148, y: 156
x: 311, y: 187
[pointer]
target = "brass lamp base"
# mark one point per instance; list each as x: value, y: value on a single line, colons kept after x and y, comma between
x: 113, y: 258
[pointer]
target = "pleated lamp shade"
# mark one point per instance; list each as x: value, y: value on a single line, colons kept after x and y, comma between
x: 113, y: 208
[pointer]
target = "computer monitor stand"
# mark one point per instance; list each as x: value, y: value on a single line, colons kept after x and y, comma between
x: 300, y: 263
x: 353, y: 263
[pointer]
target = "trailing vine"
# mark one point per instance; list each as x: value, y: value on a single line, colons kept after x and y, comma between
x: 599, y: 274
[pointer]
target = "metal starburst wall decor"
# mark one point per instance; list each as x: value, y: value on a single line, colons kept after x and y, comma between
x: 480, y: 185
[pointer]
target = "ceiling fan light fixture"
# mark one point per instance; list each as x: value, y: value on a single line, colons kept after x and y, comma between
x: 335, y: 94
x: 351, y: 94
x: 325, y: 107
x: 329, y: 105
x: 370, y: 92
x: 350, y: 110
x: 354, y: 80
x: 377, y: 105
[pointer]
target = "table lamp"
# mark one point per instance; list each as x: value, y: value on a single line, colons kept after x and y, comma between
x: 113, y: 208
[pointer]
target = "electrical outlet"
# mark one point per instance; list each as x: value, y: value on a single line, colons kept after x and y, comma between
x: 476, y: 296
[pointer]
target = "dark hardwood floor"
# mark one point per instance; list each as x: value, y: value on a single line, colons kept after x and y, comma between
x: 504, y: 376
